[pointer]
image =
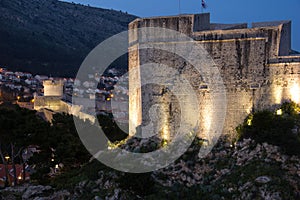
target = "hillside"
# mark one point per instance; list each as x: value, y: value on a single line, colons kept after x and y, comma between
x: 53, y: 37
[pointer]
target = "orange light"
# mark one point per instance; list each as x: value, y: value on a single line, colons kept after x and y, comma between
x: 32, y: 100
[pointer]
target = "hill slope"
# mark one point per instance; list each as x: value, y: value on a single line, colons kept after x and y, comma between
x: 53, y: 37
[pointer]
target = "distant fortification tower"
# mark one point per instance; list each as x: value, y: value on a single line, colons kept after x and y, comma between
x: 52, y: 99
x: 256, y: 64
x: 53, y: 88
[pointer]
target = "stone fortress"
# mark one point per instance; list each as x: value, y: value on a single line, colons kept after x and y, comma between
x: 257, y: 65
x: 53, y: 102
x: 53, y: 93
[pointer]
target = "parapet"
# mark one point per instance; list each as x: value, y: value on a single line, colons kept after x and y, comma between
x: 284, y: 29
x: 277, y: 34
x: 271, y: 23
x: 215, y: 26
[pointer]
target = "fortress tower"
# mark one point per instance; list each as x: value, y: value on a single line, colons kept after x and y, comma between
x: 52, y: 99
x: 53, y: 88
x: 257, y: 65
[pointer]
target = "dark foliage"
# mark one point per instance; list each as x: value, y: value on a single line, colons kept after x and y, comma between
x: 141, y: 184
x: 23, y: 127
x: 111, y: 129
x: 281, y: 130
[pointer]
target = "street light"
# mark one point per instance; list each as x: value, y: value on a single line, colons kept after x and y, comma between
x: 279, y: 112
x: 7, y: 158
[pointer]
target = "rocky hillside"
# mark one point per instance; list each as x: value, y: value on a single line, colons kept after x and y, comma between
x: 246, y: 170
x: 53, y: 37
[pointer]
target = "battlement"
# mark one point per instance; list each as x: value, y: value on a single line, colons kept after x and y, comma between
x: 277, y: 34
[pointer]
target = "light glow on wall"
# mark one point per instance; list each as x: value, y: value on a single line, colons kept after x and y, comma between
x: 207, y: 119
x: 295, y: 93
x: 277, y: 93
x: 166, y: 132
x: 166, y: 124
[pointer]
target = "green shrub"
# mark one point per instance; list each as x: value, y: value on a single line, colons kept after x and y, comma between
x: 141, y: 184
x: 270, y: 127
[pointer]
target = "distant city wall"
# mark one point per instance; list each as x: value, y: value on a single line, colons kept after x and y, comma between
x: 52, y: 100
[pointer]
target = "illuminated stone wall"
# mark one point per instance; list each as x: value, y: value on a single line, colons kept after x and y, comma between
x: 57, y: 105
x: 53, y: 88
x: 285, y: 80
x: 135, y: 104
x: 51, y: 103
x: 52, y: 100
x: 254, y: 64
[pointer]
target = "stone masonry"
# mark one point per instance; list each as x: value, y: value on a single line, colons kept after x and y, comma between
x: 257, y: 65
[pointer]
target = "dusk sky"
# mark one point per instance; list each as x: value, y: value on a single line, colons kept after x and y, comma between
x: 229, y: 11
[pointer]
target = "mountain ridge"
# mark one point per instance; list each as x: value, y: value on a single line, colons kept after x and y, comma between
x: 51, y: 36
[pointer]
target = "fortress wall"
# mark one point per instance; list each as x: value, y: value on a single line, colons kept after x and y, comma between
x: 215, y: 26
x: 201, y: 22
x: 195, y: 26
x: 241, y: 63
x: 183, y: 25
x: 168, y: 111
x: 270, y: 34
x: 135, y: 103
x: 52, y: 103
x: 285, y: 82
x: 132, y: 32
x: 84, y: 116
x: 198, y: 27
x: 241, y: 56
x: 53, y: 88
x: 238, y: 81
x: 285, y: 44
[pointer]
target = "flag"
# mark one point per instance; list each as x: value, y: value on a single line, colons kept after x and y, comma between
x: 203, y: 4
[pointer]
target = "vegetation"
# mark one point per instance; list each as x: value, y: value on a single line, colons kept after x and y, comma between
x: 53, y: 37
x: 88, y: 171
x: 111, y: 129
x: 57, y: 143
x: 279, y: 127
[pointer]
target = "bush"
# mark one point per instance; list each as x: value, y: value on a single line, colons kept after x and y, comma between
x: 111, y: 129
x: 141, y: 184
x: 273, y: 128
